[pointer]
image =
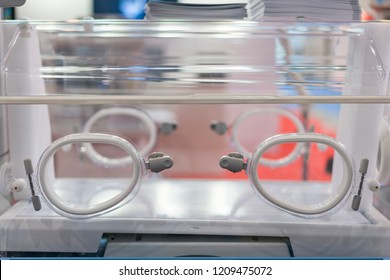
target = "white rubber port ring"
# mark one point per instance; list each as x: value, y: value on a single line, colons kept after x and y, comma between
x: 343, y: 189
x: 384, y: 163
x: 291, y: 157
x: 132, y: 112
x: 49, y: 192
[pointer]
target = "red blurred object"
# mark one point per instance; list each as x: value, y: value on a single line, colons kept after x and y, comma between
x: 366, y: 16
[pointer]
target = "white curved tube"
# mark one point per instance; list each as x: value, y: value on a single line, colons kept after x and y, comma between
x: 61, y: 206
x: 341, y: 192
x: 291, y: 157
x: 271, y: 98
x: 132, y: 112
x: 383, y: 175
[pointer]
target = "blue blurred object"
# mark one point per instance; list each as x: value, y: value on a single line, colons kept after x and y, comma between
x: 130, y: 9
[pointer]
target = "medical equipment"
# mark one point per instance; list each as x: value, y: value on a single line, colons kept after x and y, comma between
x: 295, y: 153
x: 342, y: 190
x: 123, y: 161
x: 150, y: 125
x: 72, y: 210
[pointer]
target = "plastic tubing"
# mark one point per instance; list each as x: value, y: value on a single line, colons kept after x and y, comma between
x: 343, y: 190
x: 291, y: 157
x: 68, y: 209
x: 85, y: 99
x: 383, y: 174
x: 132, y: 112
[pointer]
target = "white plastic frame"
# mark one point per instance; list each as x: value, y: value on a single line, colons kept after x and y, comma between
x: 342, y: 191
x: 128, y: 111
x: 291, y: 157
x: 73, y: 211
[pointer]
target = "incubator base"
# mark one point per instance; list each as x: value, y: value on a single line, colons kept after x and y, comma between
x: 169, y: 218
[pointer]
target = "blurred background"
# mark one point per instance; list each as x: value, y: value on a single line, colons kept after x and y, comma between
x: 75, y: 9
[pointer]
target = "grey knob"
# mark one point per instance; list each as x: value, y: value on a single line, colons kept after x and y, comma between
x: 233, y: 162
x: 158, y: 162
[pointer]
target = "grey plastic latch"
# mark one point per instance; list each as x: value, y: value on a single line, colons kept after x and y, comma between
x: 158, y: 162
x: 356, y: 199
x: 28, y: 167
x: 363, y: 166
x: 219, y: 127
x: 36, y: 202
x: 356, y: 202
x: 168, y: 128
x: 233, y: 162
